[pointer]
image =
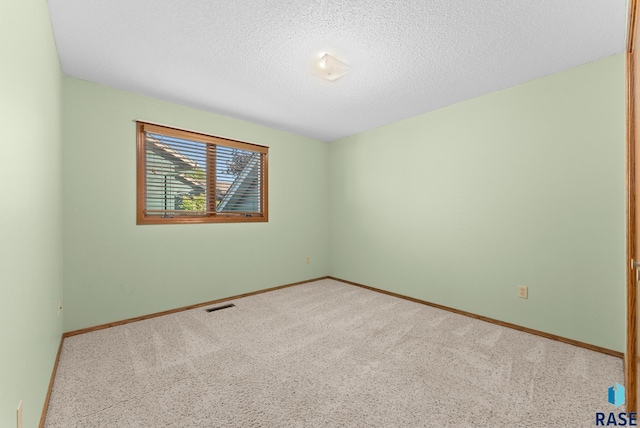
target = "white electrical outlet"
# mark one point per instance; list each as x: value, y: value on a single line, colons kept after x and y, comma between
x: 59, y: 307
x: 19, y: 415
x: 523, y: 292
x: 308, y: 259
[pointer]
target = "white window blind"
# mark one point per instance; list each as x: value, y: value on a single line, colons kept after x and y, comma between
x: 189, y: 175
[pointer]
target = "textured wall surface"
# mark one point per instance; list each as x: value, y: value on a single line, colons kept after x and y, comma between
x: 249, y: 59
x: 30, y: 208
x: 115, y: 269
x: 525, y: 186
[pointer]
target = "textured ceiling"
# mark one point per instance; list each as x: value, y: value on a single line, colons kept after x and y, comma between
x: 250, y: 59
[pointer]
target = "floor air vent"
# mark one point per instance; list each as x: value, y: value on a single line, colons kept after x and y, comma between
x: 217, y: 308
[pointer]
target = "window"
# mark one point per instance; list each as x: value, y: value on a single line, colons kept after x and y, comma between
x: 187, y: 177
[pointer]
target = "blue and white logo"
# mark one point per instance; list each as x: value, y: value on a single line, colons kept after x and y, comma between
x: 616, y: 395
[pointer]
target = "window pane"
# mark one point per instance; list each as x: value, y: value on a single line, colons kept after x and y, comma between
x: 175, y: 176
x: 238, y: 180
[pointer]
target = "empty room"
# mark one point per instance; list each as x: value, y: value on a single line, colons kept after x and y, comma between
x: 326, y: 213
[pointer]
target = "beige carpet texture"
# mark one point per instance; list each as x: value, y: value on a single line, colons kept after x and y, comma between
x: 326, y: 354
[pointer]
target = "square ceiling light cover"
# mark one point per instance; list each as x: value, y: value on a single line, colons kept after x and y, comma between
x: 330, y: 68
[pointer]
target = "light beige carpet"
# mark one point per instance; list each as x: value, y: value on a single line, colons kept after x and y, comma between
x: 326, y: 354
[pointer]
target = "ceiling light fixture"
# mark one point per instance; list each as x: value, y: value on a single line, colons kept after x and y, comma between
x: 330, y: 68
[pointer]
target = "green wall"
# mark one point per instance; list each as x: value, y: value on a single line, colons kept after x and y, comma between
x: 525, y: 186
x: 30, y: 208
x: 114, y: 269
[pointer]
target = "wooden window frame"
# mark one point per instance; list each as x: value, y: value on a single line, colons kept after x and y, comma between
x: 143, y: 218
